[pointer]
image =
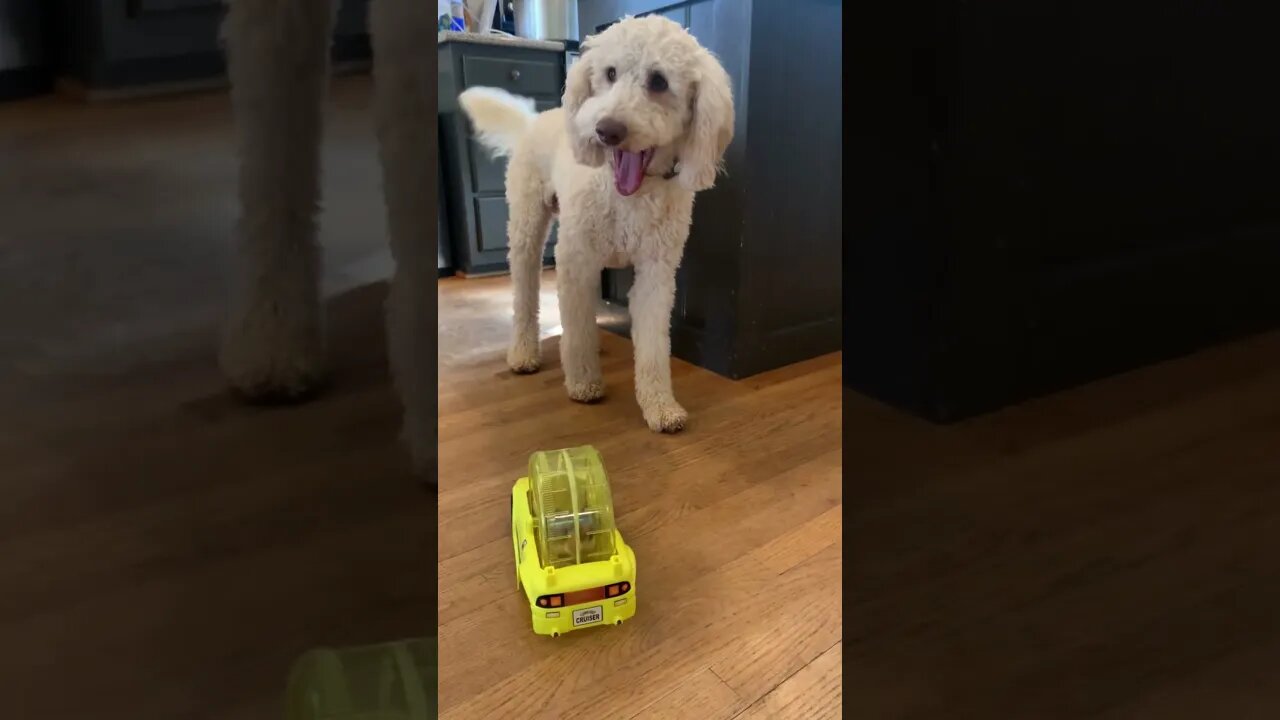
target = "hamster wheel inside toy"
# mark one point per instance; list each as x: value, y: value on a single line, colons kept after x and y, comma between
x: 573, y: 506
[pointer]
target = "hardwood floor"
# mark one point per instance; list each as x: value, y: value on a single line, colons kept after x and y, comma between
x: 1109, y: 552
x: 735, y: 523
x: 167, y: 552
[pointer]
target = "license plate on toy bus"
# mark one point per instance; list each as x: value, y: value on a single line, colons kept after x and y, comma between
x: 586, y: 616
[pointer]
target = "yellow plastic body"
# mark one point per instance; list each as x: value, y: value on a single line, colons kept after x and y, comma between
x: 591, y: 572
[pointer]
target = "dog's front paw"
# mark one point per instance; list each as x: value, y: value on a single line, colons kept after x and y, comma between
x: 272, y: 356
x: 586, y: 391
x: 523, y: 358
x: 666, y: 417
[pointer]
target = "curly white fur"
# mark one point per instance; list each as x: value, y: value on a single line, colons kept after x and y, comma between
x: 686, y: 122
x: 278, y: 61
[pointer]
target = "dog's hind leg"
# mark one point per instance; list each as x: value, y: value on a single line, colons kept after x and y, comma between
x: 651, y: 301
x: 278, y: 62
x: 406, y: 120
x: 527, y: 237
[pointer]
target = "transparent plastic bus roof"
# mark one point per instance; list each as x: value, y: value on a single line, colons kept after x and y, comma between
x: 572, y: 506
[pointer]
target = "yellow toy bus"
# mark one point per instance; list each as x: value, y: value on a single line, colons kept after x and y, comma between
x: 570, y: 558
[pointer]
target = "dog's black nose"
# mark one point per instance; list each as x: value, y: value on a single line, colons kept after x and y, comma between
x: 611, y: 132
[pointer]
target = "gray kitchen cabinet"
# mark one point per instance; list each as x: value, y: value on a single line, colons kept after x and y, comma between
x: 475, y: 200
x: 444, y: 254
x: 1105, y: 201
x: 760, y: 284
x: 113, y: 45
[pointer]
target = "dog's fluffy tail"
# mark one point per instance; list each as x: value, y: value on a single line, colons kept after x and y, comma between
x: 500, y: 119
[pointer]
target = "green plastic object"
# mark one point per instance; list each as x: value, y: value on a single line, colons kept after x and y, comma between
x: 389, y: 681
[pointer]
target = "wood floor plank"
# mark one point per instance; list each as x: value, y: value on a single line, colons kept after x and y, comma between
x: 757, y: 660
x: 1235, y: 685
x: 1106, y: 551
x: 812, y: 693
x: 701, y: 697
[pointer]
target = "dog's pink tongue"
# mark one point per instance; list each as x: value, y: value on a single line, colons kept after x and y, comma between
x: 628, y: 172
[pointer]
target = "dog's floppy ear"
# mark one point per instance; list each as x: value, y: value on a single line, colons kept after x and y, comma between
x: 710, y: 127
x: 577, y: 88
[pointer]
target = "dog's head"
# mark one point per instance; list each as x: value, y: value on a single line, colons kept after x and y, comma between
x: 645, y: 88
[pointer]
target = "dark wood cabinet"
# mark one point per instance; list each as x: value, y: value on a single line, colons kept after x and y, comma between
x: 475, y: 197
x: 1055, y: 192
x: 112, y: 45
x: 759, y: 286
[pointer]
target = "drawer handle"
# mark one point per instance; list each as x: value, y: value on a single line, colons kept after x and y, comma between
x: 515, y: 75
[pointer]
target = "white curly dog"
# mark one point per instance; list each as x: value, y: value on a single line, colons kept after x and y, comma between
x: 646, y: 118
x: 278, y: 61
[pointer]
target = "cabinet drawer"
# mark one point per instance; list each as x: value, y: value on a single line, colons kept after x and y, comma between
x: 488, y: 174
x: 491, y: 226
x: 491, y: 223
x: 522, y: 77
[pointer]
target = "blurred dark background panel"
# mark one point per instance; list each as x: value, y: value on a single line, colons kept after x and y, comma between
x: 129, y: 44
x: 1059, y: 191
x: 25, y: 53
x: 102, y: 48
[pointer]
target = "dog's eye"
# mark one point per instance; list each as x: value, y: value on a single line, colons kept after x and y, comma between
x: 657, y: 83
x: 611, y: 74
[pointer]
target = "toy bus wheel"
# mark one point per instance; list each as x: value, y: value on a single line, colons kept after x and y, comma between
x: 617, y: 623
x: 555, y: 634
